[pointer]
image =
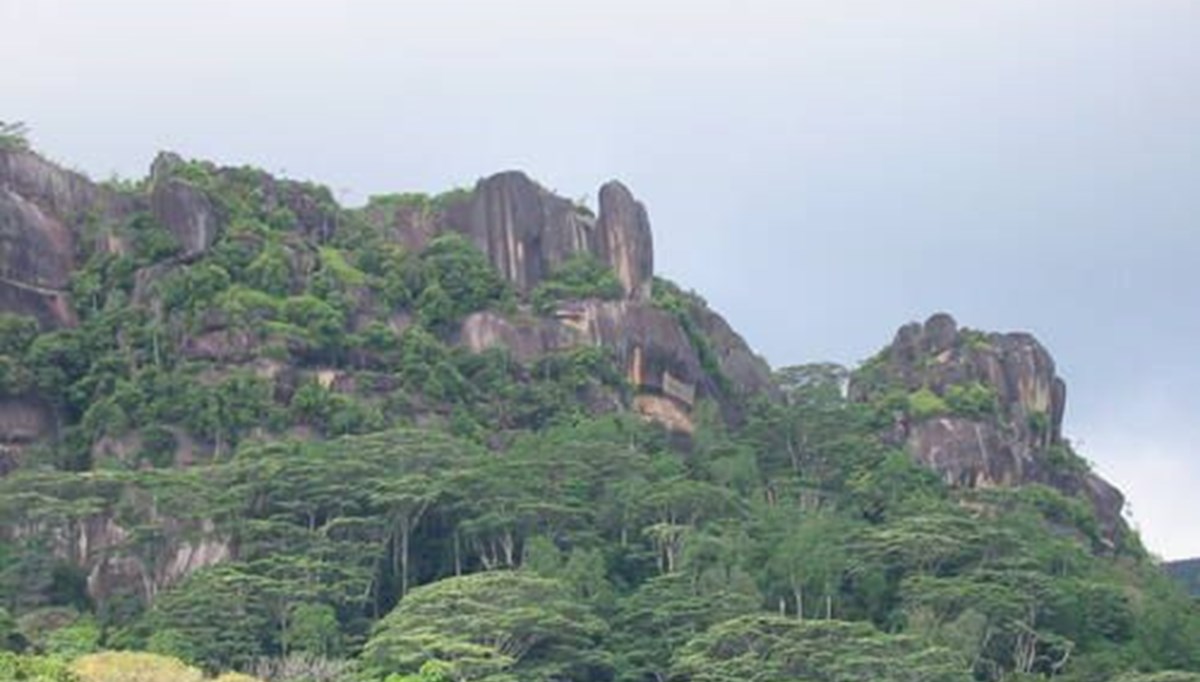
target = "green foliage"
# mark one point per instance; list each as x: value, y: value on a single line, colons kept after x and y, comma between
x: 573, y: 547
x: 580, y: 276
x: 662, y: 615
x: 925, y: 404
x: 270, y: 271
x: 1165, y: 676
x: 14, y: 135
x: 314, y: 629
x: 458, y: 280
x: 973, y: 401
x: 776, y: 648
x: 485, y: 625
x: 1062, y: 460
x: 19, y: 668
x: 687, y: 307
x: 151, y: 241
x: 79, y: 638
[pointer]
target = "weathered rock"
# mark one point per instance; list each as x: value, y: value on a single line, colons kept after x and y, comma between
x: 527, y: 232
x: 37, y: 245
x: 187, y: 212
x: 649, y: 343
x: 623, y: 240
x: 57, y: 191
x: 1012, y: 447
x: 747, y: 373
x: 100, y: 545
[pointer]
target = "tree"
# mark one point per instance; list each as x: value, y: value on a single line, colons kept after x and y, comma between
x: 776, y: 648
x: 216, y: 618
x: 487, y: 626
x: 662, y: 615
x: 809, y: 556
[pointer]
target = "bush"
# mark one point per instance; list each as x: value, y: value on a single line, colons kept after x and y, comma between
x: 460, y: 281
x: 151, y: 241
x: 14, y: 135
x: 973, y: 400
x: 580, y: 276
x: 33, y: 669
x: 925, y: 404
x: 130, y: 666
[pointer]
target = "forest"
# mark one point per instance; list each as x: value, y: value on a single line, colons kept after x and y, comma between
x: 328, y: 499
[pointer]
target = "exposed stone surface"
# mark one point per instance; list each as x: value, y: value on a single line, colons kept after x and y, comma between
x: 37, y: 243
x: 526, y: 231
x: 1014, y: 446
x: 650, y: 344
x: 623, y: 239
x: 187, y: 212
x: 50, y: 219
x: 99, y: 545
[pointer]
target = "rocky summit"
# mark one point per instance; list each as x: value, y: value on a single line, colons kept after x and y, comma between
x: 982, y: 410
x: 53, y: 221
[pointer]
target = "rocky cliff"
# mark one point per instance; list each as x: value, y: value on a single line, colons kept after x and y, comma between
x: 982, y: 410
x: 244, y: 291
x: 203, y: 307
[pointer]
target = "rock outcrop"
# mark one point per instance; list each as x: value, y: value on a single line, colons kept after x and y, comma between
x: 659, y: 358
x: 526, y: 231
x: 52, y: 220
x: 182, y: 207
x: 995, y: 411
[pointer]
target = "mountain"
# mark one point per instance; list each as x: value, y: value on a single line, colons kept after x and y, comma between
x: 474, y: 436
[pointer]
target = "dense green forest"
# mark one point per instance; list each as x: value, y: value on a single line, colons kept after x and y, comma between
x: 403, y: 509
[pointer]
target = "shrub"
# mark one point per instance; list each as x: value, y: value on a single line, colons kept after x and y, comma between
x: 580, y: 276
x: 34, y: 669
x: 460, y: 281
x: 130, y: 666
x: 925, y: 404
x: 973, y: 401
x: 14, y: 135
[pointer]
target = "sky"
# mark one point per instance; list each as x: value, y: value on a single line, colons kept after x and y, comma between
x: 822, y: 172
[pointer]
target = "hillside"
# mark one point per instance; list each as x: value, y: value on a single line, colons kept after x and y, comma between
x: 472, y: 436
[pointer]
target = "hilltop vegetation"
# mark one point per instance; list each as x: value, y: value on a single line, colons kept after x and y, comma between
x: 274, y: 451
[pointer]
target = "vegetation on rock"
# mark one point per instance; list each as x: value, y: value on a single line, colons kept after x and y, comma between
x: 275, y: 457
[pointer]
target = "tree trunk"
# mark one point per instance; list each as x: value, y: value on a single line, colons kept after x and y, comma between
x: 405, y: 533
x: 457, y: 554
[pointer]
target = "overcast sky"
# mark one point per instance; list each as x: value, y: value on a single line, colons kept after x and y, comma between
x: 821, y: 172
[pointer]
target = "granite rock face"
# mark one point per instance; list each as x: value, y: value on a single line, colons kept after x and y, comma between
x: 526, y: 231
x: 651, y: 346
x: 181, y: 207
x: 1018, y: 441
x: 40, y: 205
